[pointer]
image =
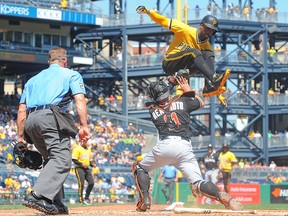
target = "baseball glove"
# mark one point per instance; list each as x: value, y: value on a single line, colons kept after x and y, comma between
x: 142, y: 10
x: 25, y: 158
x: 182, y: 73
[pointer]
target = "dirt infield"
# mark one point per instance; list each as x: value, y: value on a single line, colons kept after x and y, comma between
x: 128, y: 210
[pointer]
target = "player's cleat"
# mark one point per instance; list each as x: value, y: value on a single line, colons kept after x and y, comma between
x: 222, y: 100
x: 229, y: 202
x: 210, y: 91
x: 216, y: 87
x: 40, y: 203
x: 86, y: 201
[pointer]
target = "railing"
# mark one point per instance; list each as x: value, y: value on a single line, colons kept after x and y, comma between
x: 136, y: 19
x: 27, y: 48
x: 275, y: 141
x: 238, y: 99
x: 88, y: 6
x: 250, y: 174
x: 151, y: 60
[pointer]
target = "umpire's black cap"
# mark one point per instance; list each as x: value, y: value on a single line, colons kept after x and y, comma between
x: 210, y: 146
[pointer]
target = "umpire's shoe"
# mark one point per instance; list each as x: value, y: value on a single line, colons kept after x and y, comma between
x: 216, y: 87
x: 62, y: 209
x: 229, y: 202
x: 40, y: 203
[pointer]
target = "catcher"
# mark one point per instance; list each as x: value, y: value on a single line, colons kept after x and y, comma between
x: 171, y: 118
x: 190, y: 49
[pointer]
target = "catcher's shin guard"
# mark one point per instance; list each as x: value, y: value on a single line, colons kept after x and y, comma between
x: 142, y: 181
x: 229, y: 202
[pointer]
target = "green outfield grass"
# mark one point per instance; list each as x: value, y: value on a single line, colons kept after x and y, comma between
x: 253, y: 207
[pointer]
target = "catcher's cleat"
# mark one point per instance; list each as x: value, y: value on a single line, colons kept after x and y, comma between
x: 222, y: 100
x: 229, y: 202
x: 216, y: 86
x: 39, y: 203
x: 143, y: 204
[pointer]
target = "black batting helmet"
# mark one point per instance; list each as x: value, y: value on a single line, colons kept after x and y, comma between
x: 158, y: 92
x: 210, y: 22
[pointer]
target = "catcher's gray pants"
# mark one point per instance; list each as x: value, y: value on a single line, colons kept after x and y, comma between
x: 176, y: 152
x: 41, y: 127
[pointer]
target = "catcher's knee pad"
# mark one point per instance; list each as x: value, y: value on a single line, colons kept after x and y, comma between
x: 195, y: 188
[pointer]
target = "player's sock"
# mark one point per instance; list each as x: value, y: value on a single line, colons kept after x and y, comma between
x: 203, y: 67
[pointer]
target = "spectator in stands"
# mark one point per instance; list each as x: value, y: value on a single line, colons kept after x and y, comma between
x: 26, y: 183
x: 241, y: 163
x: 63, y: 4
x: 272, y: 165
x: 22, y: 177
x: 8, y: 182
x: 104, y: 186
x: 271, y: 57
x: 197, y: 11
x: 121, y: 179
x: 246, y: 12
x: 226, y: 161
x: 209, y: 7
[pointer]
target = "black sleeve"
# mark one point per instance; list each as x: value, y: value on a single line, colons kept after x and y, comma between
x: 193, y: 104
x: 77, y: 162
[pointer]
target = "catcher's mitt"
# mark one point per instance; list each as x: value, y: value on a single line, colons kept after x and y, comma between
x: 25, y: 158
x: 182, y: 73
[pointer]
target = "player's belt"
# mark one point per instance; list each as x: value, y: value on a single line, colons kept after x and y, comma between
x: 174, y: 138
x: 33, y: 109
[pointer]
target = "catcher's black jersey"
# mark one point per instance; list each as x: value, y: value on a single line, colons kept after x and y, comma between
x: 173, y: 119
x: 210, y: 161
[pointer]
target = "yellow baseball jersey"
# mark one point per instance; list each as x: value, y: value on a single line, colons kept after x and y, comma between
x: 226, y: 160
x: 185, y: 36
x: 81, y: 154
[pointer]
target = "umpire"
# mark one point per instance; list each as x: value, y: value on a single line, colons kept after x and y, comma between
x: 56, y: 85
x: 170, y: 178
x: 82, y: 158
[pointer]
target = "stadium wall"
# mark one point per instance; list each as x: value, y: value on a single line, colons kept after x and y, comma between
x: 245, y: 193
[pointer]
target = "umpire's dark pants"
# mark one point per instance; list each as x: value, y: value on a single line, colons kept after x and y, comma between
x: 82, y: 175
x: 54, y: 147
x: 226, y: 180
x: 168, y: 183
